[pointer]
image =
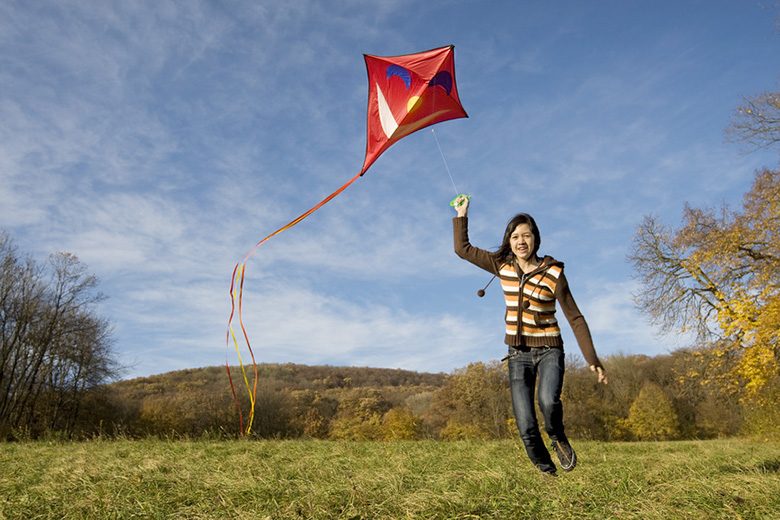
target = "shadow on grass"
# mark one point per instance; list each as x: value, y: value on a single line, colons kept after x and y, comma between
x: 769, y: 466
x: 765, y: 466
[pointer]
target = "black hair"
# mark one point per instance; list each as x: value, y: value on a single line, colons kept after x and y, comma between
x: 505, y: 251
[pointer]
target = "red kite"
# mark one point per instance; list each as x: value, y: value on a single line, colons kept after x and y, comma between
x: 405, y: 94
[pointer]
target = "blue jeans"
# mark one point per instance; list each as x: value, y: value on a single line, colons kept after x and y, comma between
x: 526, y: 365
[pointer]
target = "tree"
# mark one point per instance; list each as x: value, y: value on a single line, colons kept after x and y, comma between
x: 53, y: 345
x: 400, y: 424
x: 757, y: 121
x: 360, y: 416
x: 312, y: 413
x: 652, y: 416
x: 592, y: 410
x: 705, y: 411
x: 719, y: 274
x: 475, y: 402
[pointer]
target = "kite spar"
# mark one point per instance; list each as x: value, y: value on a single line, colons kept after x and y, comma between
x: 405, y: 94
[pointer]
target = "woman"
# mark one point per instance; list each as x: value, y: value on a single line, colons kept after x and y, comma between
x: 531, y: 287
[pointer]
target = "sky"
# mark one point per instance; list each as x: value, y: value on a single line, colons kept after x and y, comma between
x: 159, y: 141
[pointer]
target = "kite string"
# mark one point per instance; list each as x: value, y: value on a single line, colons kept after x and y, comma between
x: 446, y: 167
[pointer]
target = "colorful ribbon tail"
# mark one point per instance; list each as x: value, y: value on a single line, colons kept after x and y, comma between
x: 236, y: 310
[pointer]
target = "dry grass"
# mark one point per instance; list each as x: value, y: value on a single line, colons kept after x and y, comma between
x: 384, y: 480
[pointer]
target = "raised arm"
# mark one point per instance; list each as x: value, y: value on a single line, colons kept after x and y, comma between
x: 463, y: 248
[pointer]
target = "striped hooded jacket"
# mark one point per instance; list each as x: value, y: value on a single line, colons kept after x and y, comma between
x: 530, y: 298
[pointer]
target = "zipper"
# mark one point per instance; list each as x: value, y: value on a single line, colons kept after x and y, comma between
x: 521, y: 295
x: 520, y: 300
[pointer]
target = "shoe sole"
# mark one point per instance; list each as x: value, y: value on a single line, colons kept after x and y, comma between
x: 570, y: 466
x: 573, y: 462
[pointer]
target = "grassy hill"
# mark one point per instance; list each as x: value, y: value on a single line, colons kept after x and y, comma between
x: 198, y: 400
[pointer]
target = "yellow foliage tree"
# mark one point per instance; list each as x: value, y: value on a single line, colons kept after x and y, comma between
x: 400, y: 424
x: 652, y: 416
x: 719, y: 275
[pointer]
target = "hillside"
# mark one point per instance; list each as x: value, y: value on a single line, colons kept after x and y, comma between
x: 288, y: 376
x: 289, y: 398
x: 328, y: 402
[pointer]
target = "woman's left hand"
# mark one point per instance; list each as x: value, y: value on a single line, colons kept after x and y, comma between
x: 461, y: 205
x: 602, y: 375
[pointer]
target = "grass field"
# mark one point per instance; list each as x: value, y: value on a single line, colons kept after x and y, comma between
x: 375, y: 480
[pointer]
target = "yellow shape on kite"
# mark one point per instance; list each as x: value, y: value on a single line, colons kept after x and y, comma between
x: 412, y: 103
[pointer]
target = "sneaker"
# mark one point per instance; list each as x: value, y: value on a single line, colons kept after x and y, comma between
x: 565, y: 454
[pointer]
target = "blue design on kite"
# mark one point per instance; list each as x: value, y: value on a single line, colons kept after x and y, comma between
x: 442, y: 79
x: 397, y: 70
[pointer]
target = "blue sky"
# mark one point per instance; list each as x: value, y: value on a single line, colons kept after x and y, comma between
x: 158, y: 141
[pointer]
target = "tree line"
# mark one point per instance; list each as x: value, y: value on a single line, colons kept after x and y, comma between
x: 648, y: 398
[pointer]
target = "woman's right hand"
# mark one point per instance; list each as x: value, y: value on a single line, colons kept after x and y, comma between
x: 462, y: 206
x: 602, y: 375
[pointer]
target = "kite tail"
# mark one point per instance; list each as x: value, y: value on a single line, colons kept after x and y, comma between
x: 228, y: 335
x: 236, y: 309
x: 235, y: 302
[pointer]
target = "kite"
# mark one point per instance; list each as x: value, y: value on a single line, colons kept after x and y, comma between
x: 405, y: 94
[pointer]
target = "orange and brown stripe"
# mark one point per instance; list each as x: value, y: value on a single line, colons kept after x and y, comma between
x: 535, y: 294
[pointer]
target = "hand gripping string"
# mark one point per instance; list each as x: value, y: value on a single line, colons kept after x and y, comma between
x: 236, y: 304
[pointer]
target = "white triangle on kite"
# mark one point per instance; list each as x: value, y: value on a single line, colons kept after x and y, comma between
x: 389, y: 124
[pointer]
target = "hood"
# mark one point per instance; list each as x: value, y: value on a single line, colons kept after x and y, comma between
x: 548, y: 261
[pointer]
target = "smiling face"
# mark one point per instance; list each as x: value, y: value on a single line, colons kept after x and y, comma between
x: 522, y: 242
